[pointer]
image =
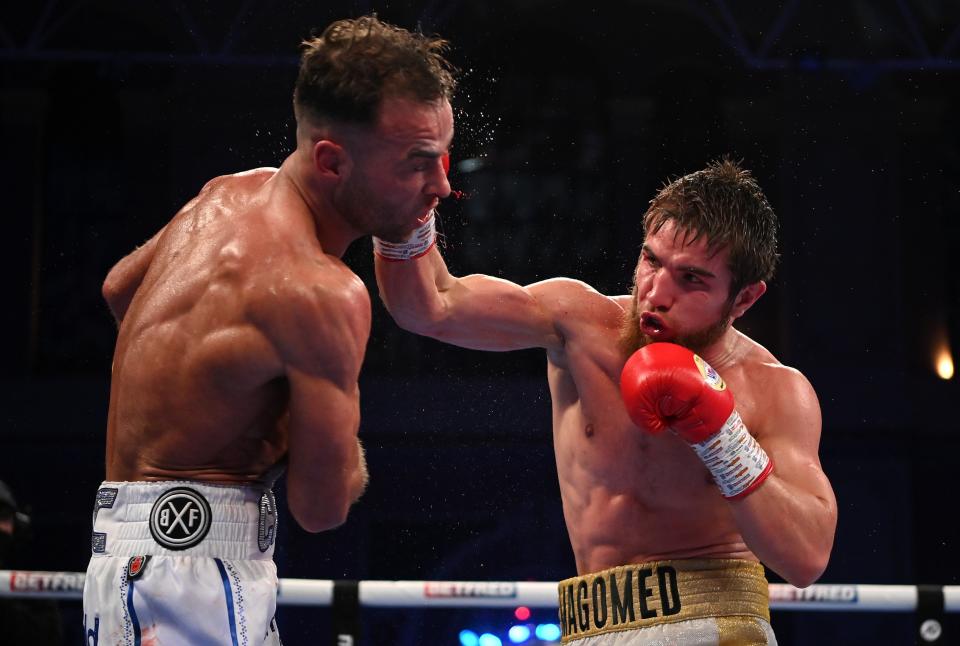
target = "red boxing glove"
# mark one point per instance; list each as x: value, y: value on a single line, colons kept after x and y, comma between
x: 667, y: 386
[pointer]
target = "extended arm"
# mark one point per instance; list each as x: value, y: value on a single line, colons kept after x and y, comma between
x: 476, y: 311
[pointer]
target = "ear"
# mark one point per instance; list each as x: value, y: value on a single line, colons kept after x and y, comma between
x: 747, y: 296
x: 330, y: 159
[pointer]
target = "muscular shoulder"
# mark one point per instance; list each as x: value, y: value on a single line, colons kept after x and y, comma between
x: 767, y: 369
x: 788, y: 386
x: 252, y: 176
x: 226, y: 189
x: 316, y: 314
x: 784, y: 396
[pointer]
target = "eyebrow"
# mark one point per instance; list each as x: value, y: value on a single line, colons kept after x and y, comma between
x: 693, y: 269
x: 429, y: 154
x: 699, y: 271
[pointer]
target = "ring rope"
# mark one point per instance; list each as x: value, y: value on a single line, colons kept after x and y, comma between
x: 504, y: 594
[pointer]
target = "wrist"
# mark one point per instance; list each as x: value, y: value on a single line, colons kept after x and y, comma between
x: 734, y: 458
x: 418, y: 244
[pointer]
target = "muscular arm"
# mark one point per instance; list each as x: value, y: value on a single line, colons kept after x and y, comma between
x: 790, y: 520
x: 322, y: 344
x: 476, y: 311
x: 123, y: 280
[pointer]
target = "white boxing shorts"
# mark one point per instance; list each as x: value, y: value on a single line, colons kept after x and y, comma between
x: 180, y: 563
x: 697, y: 602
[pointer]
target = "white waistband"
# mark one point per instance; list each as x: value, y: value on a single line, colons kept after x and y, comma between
x: 184, y: 518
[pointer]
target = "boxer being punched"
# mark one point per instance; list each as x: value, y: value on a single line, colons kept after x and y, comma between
x: 686, y: 453
x: 241, y: 335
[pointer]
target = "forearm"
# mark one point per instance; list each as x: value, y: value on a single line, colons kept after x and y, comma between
x: 326, y: 472
x: 476, y: 311
x: 321, y: 499
x: 789, y: 528
x: 412, y: 290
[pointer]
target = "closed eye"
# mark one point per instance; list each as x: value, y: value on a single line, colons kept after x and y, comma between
x: 424, y: 160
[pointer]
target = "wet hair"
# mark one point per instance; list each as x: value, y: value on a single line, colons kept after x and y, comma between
x: 724, y: 203
x: 347, y: 71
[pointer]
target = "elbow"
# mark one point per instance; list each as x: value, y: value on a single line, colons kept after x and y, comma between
x: 110, y: 290
x: 320, y: 518
x: 807, y: 571
x: 317, y: 514
x: 116, y: 296
x: 423, y: 322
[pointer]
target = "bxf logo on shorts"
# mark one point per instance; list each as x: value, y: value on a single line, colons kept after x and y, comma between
x: 180, y: 518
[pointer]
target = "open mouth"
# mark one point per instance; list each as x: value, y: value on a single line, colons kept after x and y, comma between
x: 430, y: 212
x: 652, y: 325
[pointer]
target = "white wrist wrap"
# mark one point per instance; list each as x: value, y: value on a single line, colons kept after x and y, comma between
x: 735, y: 459
x: 415, y: 246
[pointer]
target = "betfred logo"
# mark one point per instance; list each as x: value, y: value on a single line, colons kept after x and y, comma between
x: 469, y: 589
x: 46, y: 581
x: 820, y: 593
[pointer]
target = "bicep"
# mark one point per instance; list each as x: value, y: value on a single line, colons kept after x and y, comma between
x: 487, y: 313
x: 477, y: 311
x: 791, y: 437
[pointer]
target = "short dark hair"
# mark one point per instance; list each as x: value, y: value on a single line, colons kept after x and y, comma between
x: 724, y: 203
x: 347, y: 71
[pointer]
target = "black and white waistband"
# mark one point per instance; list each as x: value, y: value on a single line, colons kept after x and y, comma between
x: 184, y: 518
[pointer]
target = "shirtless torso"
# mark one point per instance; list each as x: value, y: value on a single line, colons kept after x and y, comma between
x: 630, y: 496
x: 240, y: 339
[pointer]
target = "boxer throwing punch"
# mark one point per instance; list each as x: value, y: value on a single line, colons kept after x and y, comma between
x: 241, y: 335
x: 686, y: 453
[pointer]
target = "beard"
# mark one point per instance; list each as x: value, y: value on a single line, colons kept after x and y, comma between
x: 358, y: 204
x: 632, y: 338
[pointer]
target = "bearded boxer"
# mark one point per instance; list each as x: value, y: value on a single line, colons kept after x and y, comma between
x: 241, y: 335
x: 687, y: 454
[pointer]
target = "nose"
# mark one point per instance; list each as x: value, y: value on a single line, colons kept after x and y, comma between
x: 437, y: 183
x: 661, y: 292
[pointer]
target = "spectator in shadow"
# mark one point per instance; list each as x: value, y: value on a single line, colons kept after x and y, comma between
x: 23, y: 621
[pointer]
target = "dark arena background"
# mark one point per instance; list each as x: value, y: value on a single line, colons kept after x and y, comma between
x: 569, y: 117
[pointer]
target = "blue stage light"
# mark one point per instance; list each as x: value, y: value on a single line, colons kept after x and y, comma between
x: 487, y: 639
x: 519, y: 634
x: 548, y: 632
x: 469, y: 638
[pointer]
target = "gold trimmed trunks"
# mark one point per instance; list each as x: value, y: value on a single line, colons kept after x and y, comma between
x: 732, y: 593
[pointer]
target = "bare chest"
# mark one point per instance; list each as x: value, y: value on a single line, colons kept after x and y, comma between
x: 599, y: 449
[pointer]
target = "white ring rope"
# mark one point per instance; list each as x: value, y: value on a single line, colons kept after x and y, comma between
x: 501, y: 594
